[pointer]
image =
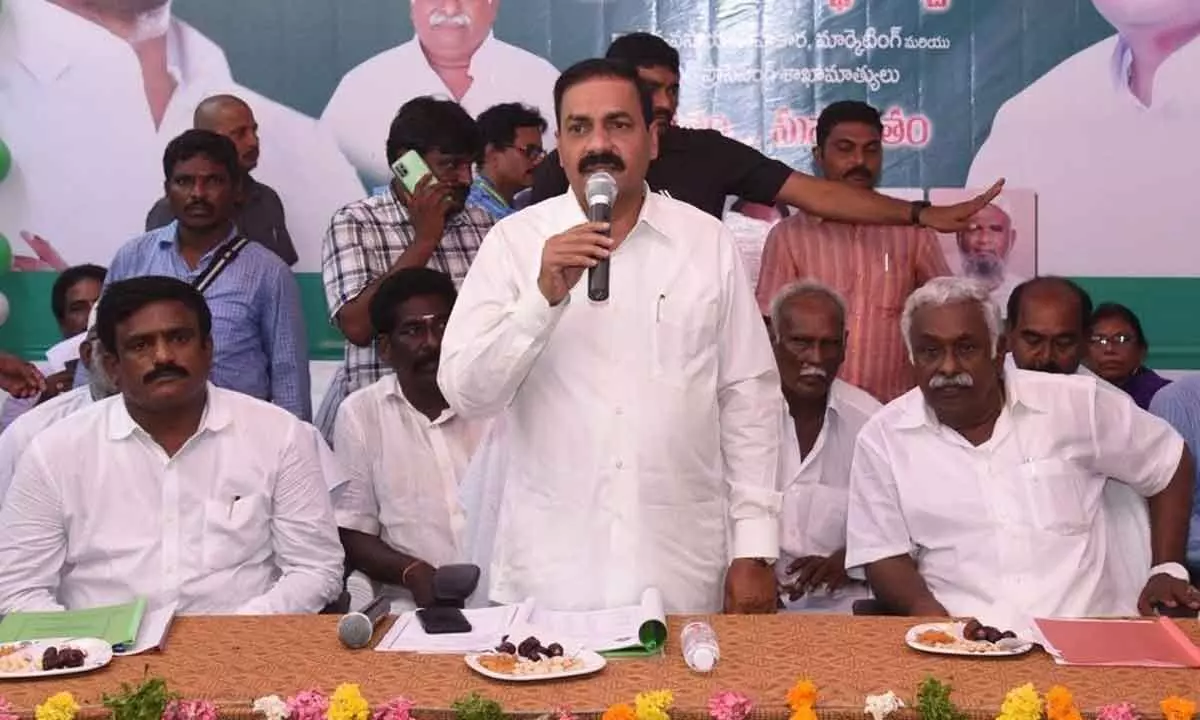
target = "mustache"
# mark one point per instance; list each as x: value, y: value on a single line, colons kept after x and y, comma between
x: 861, y: 171
x: 962, y: 379
x: 201, y: 204
x: 600, y: 159
x: 437, y: 18
x: 164, y: 371
x: 812, y: 371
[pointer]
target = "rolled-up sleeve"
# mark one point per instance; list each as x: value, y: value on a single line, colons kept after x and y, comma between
x: 875, y: 524
x: 749, y: 399
x: 1131, y: 445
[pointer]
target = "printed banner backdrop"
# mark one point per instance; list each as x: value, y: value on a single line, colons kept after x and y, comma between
x: 1107, y: 172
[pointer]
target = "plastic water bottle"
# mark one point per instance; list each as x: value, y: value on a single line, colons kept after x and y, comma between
x: 700, y: 650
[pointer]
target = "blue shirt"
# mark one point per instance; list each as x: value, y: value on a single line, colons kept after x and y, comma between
x: 259, y: 342
x: 1179, y: 404
x: 484, y: 196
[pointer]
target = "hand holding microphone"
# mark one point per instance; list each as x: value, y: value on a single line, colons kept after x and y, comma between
x: 585, y: 246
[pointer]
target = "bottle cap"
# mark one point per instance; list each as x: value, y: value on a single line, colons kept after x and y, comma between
x: 703, y: 659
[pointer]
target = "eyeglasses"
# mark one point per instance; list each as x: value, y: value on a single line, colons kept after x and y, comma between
x: 532, y: 152
x: 1118, y: 340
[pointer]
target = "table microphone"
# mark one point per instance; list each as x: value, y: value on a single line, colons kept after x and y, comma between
x: 355, y: 629
x: 601, y: 193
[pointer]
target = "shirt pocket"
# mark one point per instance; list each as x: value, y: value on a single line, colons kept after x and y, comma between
x: 236, y: 530
x: 684, y: 342
x: 1052, y: 494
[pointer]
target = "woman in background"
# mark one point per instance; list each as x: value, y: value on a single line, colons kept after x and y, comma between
x: 1117, y: 350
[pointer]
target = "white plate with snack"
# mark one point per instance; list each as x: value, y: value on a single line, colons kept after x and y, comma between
x: 532, y: 662
x: 947, y: 639
x: 51, y: 658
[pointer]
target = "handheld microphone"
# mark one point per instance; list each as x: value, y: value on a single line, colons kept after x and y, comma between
x: 355, y: 629
x: 601, y: 193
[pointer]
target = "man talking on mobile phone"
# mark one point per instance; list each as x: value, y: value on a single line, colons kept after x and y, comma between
x: 427, y: 226
x: 642, y: 429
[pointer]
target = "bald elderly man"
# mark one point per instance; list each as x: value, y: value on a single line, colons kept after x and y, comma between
x: 260, y: 211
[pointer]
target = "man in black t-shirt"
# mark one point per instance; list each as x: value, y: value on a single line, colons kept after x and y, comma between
x: 703, y: 167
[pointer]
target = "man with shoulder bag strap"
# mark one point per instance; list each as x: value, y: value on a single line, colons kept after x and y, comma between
x: 260, y: 346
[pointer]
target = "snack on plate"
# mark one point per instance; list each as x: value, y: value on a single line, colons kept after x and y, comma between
x: 528, y: 658
x: 6, y: 650
x: 936, y: 637
x: 62, y: 658
x: 17, y: 662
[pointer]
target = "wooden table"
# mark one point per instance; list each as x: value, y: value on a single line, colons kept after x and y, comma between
x: 234, y: 660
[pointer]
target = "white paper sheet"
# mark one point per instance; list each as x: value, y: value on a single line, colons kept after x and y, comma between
x: 487, y: 627
x: 152, y: 633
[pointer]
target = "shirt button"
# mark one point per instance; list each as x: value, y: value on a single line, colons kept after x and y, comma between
x: 620, y: 411
x: 620, y: 464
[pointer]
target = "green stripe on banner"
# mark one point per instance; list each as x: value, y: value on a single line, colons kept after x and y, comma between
x: 1165, y: 306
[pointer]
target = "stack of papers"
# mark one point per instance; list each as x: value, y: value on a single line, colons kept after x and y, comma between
x: 129, y: 628
x: 1157, y: 643
x: 636, y: 630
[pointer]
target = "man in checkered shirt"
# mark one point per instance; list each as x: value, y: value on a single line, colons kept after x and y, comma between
x: 371, y: 239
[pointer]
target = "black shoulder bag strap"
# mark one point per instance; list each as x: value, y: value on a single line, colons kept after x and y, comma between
x: 220, y: 261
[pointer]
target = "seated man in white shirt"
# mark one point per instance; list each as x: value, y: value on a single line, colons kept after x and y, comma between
x: 175, y: 490
x: 403, y: 450
x: 979, y: 493
x: 817, y: 433
x: 15, y: 438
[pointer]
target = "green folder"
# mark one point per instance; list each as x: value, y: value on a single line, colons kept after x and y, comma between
x: 652, y: 639
x: 117, y: 624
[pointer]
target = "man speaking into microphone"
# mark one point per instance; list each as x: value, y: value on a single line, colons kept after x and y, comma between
x: 640, y: 430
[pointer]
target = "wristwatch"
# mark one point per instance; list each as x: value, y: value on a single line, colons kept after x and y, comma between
x: 917, y: 207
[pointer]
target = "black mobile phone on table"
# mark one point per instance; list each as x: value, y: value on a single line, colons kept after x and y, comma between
x: 441, y: 620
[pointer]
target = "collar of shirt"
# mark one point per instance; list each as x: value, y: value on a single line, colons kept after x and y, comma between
x: 193, y: 58
x: 423, y: 74
x: 485, y: 196
x: 1173, y: 78
x: 168, y: 239
x: 570, y: 213
x: 916, y: 413
x: 396, y: 392
x: 46, y: 39
x: 216, y: 417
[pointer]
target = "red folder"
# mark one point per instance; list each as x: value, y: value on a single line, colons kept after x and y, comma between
x: 1149, y: 642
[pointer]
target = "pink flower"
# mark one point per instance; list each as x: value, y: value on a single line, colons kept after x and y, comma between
x: 6, y: 710
x: 1118, y: 711
x: 729, y: 706
x: 307, y: 705
x: 190, y: 710
x: 398, y: 708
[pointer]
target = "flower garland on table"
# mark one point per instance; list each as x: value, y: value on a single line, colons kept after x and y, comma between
x: 151, y: 700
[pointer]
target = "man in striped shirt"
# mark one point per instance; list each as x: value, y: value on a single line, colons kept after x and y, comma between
x: 874, y: 267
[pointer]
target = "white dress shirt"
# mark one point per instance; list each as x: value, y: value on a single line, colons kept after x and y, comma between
x: 403, y: 474
x: 816, y: 490
x: 73, y: 81
x: 1128, y: 524
x: 1015, y: 528
x: 1133, y: 210
x: 640, y: 430
x: 367, y: 98
x: 238, y: 521
x: 17, y: 436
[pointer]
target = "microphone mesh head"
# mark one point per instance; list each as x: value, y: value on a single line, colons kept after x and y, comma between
x: 601, y: 188
x: 355, y: 630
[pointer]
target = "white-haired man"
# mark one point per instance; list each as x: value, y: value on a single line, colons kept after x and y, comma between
x: 99, y: 385
x: 984, y: 247
x: 979, y: 493
x: 817, y: 432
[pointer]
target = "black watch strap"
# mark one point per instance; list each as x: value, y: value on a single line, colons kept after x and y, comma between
x: 917, y: 207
